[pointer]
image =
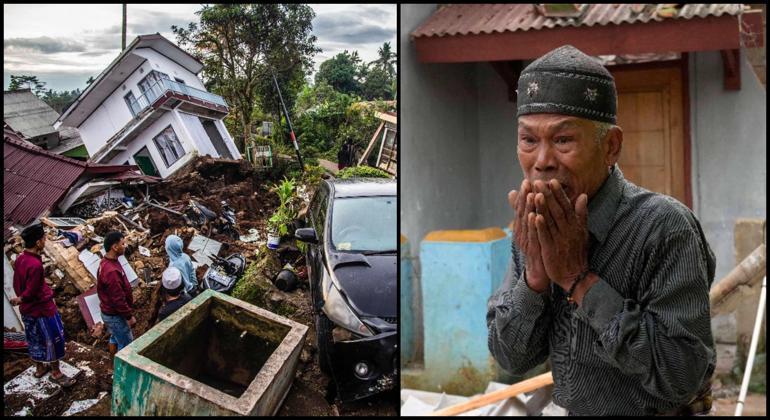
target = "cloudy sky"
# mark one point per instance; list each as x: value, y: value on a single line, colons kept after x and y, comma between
x: 65, y: 44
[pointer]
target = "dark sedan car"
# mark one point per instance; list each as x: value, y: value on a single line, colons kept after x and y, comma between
x: 352, y: 269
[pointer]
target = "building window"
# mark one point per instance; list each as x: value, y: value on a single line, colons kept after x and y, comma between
x: 151, y: 85
x: 133, y: 105
x: 169, y: 146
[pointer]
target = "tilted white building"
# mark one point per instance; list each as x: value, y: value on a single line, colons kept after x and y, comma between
x: 149, y: 108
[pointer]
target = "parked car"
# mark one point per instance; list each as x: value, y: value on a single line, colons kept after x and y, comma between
x: 352, y: 269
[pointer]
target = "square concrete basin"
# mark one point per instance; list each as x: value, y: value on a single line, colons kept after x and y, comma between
x: 216, y: 355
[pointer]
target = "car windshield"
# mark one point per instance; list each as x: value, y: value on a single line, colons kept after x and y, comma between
x: 365, y: 224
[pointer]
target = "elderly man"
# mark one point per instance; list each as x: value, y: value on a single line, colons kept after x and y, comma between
x: 608, y: 279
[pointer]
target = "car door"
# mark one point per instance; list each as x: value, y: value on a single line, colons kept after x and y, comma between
x: 315, y: 258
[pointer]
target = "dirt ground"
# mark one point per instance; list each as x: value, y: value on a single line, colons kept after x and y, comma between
x: 209, y: 181
x: 754, y: 405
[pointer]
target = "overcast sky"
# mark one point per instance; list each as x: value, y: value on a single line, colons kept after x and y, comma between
x: 64, y: 44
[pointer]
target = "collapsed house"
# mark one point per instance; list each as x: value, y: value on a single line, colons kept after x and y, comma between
x: 28, y: 115
x: 29, y: 190
x: 149, y: 108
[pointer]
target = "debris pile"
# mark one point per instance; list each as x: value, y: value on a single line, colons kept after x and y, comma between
x: 146, y: 216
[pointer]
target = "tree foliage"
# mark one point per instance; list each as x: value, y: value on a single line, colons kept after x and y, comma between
x: 242, y: 45
x: 342, y: 72
x: 27, y: 82
x: 59, y: 101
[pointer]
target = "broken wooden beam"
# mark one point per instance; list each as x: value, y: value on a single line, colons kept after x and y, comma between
x: 751, y: 269
x: 165, y: 208
x: 131, y: 223
x: 528, y: 385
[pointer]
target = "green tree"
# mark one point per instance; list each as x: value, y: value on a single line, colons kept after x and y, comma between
x: 59, y: 101
x: 377, y: 84
x: 242, y: 45
x: 27, y: 82
x: 387, y: 59
x: 90, y: 80
x: 342, y: 72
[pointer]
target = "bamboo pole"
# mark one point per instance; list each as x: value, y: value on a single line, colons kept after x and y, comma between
x: 528, y: 385
x: 745, y: 273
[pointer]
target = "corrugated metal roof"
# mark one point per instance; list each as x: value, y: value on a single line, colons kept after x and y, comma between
x: 34, y: 179
x: 28, y: 114
x: 29, y: 189
x: 465, y: 19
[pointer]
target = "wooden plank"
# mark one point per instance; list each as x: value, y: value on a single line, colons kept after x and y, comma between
x: 493, y: 397
x: 371, y: 144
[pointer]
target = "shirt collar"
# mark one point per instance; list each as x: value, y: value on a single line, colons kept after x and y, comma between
x: 603, y: 205
x: 32, y: 254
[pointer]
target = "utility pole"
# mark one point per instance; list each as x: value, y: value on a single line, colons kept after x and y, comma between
x: 123, y: 44
x: 291, y: 130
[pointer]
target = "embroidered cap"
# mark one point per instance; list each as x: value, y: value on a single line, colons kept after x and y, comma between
x: 567, y: 81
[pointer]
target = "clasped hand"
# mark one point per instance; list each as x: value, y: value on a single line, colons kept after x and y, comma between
x: 552, y: 234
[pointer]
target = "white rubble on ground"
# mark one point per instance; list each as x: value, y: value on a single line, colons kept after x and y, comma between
x: 422, y: 403
x: 83, y: 405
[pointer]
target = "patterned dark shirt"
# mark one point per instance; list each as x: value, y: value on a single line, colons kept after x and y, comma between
x: 641, y: 341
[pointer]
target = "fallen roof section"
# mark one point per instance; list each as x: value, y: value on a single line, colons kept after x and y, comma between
x: 28, y: 114
x: 29, y: 189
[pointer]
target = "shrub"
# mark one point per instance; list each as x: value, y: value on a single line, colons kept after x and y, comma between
x: 362, y: 172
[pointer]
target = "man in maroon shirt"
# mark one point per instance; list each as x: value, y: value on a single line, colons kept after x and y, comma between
x: 42, y: 323
x: 115, y: 299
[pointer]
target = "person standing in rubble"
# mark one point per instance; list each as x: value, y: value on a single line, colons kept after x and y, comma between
x: 114, y: 291
x: 181, y: 261
x: 344, y: 156
x: 42, y: 323
x: 173, y: 291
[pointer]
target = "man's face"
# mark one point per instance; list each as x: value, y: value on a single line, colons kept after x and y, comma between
x: 552, y: 146
x: 120, y: 247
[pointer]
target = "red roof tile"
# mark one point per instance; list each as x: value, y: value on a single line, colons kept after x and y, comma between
x: 34, y: 179
x: 465, y: 19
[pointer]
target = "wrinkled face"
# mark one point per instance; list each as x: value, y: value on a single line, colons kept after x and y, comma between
x: 553, y: 146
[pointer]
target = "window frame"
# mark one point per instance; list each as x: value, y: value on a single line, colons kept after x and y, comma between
x: 130, y: 108
x: 160, y: 149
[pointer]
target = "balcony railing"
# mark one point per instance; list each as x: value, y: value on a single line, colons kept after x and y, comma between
x: 160, y: 87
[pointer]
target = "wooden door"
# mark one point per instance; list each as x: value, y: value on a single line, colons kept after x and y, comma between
x: 650, y: 112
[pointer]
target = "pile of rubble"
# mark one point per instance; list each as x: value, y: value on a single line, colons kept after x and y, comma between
x: 147, y: 216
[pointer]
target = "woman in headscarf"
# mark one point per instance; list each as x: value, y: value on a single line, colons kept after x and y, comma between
x: 182, y: 261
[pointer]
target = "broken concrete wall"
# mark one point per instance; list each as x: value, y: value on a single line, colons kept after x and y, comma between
x: 217, y: 355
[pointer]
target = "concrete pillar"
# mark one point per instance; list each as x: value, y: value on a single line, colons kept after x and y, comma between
x: 460, y: 270
x: 409, y: 306
x: 748, y: 236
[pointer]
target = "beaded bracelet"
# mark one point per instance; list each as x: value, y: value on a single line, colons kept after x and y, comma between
x: 579, y: 278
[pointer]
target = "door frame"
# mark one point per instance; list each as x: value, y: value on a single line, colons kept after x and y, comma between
x: 684, y: 67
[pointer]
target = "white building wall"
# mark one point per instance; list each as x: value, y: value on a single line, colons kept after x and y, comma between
x: 113, y: 114
x: 229, y: 142
x: 439, y: 145
x: 163, y: 64
x: 146, y: 139
x: 729, y: 149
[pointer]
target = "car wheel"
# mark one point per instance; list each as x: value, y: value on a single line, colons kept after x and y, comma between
x: 324, y: 341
